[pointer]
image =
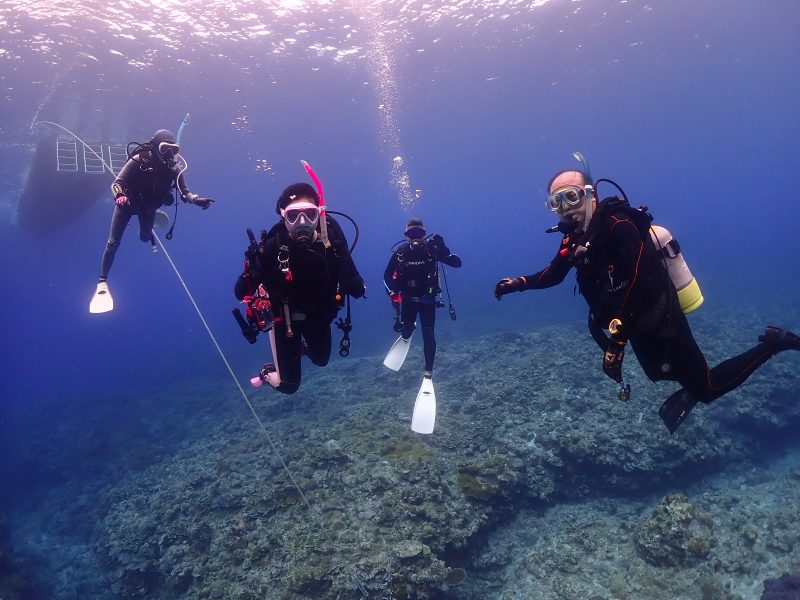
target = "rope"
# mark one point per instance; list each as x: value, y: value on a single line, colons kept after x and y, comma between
x: 320, y: 527
x: 276, y: 453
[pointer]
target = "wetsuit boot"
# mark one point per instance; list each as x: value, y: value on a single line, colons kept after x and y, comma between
x: 779, y: 339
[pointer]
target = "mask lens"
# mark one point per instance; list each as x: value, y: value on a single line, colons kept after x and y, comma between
x: 570, y: 197
x: 168, y: 149
x: 415, y: 233
x: 293, y: 214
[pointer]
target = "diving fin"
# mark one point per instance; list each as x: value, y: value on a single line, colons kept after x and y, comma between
x: 397, y: 354
x: 676, y: 408
x: 779, y: 339
x: 162, y: 220
x: 101, y: 301
x: 424, y: 416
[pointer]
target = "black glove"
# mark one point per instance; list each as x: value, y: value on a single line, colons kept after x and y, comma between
x: 508, y: 285
x: 357, y: 288
x: 203, y: 203
x: 612, y: 359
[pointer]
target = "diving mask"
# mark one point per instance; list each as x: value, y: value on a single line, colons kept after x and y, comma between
x: 301, y: 209
x: 301, y: 220
x: 168, y: 149
x: 415, y: 232
x: 566, y: 200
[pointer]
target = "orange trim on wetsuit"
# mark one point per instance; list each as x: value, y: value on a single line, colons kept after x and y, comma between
x: 618, y: 313
x: 552, y: 274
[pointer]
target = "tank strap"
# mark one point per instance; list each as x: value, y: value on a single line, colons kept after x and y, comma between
x: 671, y: 249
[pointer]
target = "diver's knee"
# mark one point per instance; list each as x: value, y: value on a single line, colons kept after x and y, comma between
x: 146, y: 236
x: 112, y: 245
x: 288, y: 388
x: 320, y: 361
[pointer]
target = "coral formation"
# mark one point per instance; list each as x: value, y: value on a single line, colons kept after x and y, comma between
x: 536, y: 481
x: 675, y: 534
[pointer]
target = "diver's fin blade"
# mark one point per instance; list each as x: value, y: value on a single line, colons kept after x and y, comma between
x: 676, y: 408
x: 162, y: 220
x: 102, y: 301
x: 424, y: 417
x: 397, y: 354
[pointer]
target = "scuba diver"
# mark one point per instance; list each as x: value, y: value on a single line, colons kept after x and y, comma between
x: 149, y: 179
x: 638, y: 286
x: 412, y: 282
x: 294, y: 282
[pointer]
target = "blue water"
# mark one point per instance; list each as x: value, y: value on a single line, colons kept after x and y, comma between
x: 691, y: 105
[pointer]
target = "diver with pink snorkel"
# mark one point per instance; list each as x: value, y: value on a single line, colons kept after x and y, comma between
x: 296, y: 278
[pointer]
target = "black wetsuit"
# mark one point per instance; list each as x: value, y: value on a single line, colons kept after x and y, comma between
x: 622, y: 276
x: 148, y: 185
x: 308, y: 281
x: 412, y: 272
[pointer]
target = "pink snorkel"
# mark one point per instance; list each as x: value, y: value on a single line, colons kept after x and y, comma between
x: 323, y: 225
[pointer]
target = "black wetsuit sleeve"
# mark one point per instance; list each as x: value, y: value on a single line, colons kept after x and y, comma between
x: 388, y: 274
x: 349, y: 278
x: 443, y: 253
x: 260, y: 268
x: 124, y: 182
x: 554, y: 273
x: 625, y: 253
x: 183, y: 188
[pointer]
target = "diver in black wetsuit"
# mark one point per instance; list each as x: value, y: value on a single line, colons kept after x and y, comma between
x: 305, y: 283
x: 621, y: 275
x: 412, y: 280
x: 146, y: 182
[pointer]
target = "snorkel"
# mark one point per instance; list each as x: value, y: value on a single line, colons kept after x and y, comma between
x: 588, y: 188
x: 184, y: 123
x: 323, y: 225
x: 576, y: 211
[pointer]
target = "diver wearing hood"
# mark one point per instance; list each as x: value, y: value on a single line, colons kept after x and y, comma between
x: 304, y: 283
x: 626, y: 283
x: 412, y: 280
x: 153, y: 173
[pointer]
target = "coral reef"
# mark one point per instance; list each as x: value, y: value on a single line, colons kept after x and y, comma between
x: 676, y: 534
x: 537, y: 481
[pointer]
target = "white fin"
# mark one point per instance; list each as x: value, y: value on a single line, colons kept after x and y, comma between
x: 424, y: 416
x: 162, y: 220
x: 397, y: 354
x: 101, y: 301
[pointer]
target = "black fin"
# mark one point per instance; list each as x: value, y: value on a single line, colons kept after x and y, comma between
x: 676, y: 408
x: 779, y: 339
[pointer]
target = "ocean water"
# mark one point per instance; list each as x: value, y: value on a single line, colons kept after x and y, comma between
x: 459, y: 114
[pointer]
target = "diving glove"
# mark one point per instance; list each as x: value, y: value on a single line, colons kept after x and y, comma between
x: 612, y: 359
x: 508, y: 285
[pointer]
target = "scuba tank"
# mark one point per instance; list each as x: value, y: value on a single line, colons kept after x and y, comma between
x: 689, y: 294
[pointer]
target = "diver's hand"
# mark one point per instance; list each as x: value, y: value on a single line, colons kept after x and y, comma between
x: 508, y: 285
x: 202, y: 202
x: 612, y: 359
x: 395, y: 299
x: 122, y: 200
